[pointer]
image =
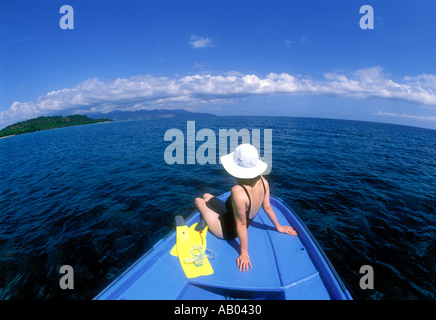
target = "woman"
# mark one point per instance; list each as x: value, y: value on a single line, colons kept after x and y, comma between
x: 230, y: 219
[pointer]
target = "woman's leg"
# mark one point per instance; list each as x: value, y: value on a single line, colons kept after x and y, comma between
x: 210, y: 216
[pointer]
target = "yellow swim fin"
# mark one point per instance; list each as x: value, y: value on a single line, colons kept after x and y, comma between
x: 190, y: 244
x: 194, y: 235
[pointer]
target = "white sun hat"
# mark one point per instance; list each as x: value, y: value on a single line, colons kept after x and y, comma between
x: 244, y: 162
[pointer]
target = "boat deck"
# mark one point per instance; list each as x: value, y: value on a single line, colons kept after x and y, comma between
x: 284, y: 267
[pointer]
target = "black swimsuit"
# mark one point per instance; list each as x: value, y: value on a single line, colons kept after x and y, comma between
x: 226, y: 215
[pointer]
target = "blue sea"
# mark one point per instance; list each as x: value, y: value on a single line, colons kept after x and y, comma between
x: 97, y: 197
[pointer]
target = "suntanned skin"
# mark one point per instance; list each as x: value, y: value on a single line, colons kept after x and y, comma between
x: 240, y: 204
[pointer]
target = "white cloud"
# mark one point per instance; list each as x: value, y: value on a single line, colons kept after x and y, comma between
x: 407, y: 116
x: 149, y: 91
x: 372, y: 82
x: 200, y: 42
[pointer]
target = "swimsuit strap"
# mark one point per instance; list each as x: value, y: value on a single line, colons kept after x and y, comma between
x: 249, y: 206
x: 264, y: 189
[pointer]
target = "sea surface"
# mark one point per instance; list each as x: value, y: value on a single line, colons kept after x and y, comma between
x: 97, y: 197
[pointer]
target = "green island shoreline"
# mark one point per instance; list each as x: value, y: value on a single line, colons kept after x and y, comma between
x: 46, y: 123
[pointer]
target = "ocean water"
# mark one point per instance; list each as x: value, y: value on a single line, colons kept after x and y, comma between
x: 97, y: 197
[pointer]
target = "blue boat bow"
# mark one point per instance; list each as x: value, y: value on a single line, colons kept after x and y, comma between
x: 284, y: 267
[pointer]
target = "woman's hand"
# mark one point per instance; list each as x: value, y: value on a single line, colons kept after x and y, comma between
x: 243, y: 262
x: 287, y: 229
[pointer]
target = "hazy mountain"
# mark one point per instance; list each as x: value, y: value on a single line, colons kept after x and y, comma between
x: 148, y: 114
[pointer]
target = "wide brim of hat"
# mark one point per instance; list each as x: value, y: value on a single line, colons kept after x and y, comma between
x: 240, y: 172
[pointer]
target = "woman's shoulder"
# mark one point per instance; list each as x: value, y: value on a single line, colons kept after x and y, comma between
x: 238, y: 193
x: 236, y: 189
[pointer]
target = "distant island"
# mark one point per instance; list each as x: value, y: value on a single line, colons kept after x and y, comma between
x: 52, y: 122
x: 149, y: 114
x: 44, y: 123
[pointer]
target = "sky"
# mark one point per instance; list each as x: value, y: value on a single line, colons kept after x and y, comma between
x: 272, y: 58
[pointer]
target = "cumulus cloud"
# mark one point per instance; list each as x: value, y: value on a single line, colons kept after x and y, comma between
x: 404, y: 115
x: 150, y: 91
x: 200, y: 42
x: 372, y: 82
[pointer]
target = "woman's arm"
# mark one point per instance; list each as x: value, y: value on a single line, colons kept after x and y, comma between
x: 239, y: 208
x: 271, y: 214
